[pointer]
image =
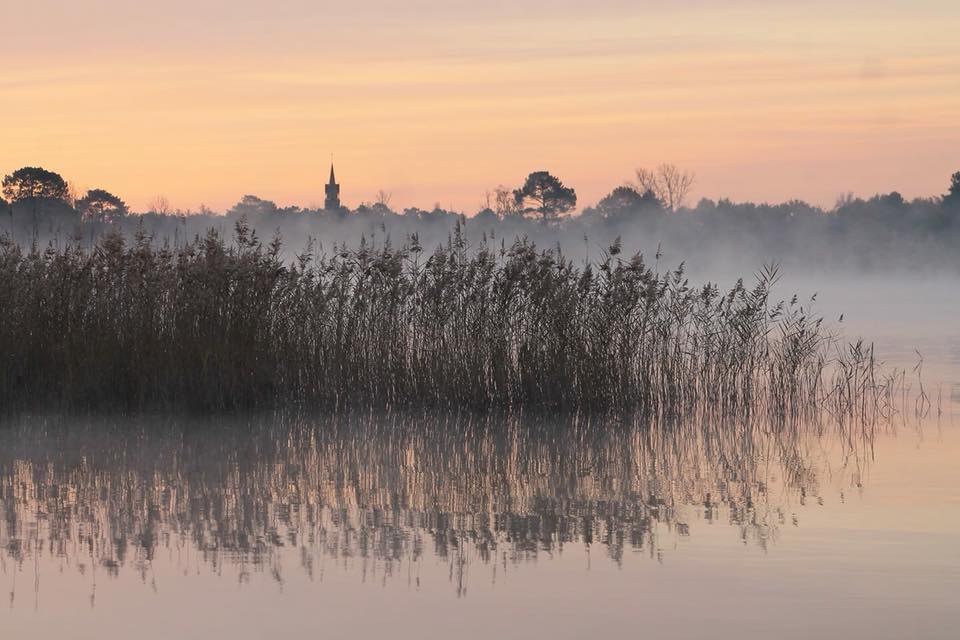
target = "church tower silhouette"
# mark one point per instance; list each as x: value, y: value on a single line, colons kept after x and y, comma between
x: 333, y: 192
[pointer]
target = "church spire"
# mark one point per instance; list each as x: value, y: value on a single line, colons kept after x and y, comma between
x: 332, y: 190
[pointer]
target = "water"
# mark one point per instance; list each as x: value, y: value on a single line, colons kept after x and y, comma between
x: 426, y: 526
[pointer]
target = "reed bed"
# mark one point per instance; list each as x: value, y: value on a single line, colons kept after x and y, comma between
x: 217, y: 325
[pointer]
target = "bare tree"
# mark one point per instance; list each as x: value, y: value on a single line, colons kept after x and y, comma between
x: 73, y: 194
x: 667, y: 182
x: 383, y: 198
x: 844, y: 200
x: 504, y: 203
x: 159, y: 204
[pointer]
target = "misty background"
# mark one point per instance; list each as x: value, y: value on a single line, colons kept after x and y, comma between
x: 879, y: 236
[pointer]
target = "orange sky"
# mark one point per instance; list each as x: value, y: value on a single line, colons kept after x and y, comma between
x: 440, y: 101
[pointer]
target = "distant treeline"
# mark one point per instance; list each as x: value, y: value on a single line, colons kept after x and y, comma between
x: 884, y: 232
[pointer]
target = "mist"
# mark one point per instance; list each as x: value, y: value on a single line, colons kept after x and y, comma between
x: 882, y: 235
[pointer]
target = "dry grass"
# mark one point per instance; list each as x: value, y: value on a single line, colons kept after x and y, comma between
x: 214, y: 326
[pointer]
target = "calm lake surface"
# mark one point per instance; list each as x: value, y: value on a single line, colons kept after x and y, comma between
x: 424, y: 526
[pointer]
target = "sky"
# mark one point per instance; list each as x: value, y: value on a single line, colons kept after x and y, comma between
x: 440, y: 101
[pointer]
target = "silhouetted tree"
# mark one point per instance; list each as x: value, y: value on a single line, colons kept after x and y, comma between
x: 383, y: 198
x: 160, y: 205
x: 624, y: 201
x: 952, y: 199
x: 486, y: 216
x: 252, y: 206
x: 35, y: 182
x: 504, y: 204
x: 373, y: 210
x: 893, y: 199
x: 669, y: 183
x: 548, y: 195
x: 102, y: 205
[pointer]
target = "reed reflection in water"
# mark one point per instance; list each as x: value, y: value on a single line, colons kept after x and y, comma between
x: 377, y: 494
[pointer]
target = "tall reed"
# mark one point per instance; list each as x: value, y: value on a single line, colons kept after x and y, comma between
x: 216, y: 325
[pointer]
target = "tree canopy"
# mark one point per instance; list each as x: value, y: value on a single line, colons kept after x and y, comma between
x: 252, y: 206
x: 100, y: 204
x: 34, y: 182
x: 952, y: 199
x: 627, y: 200
x: 547, y: 195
